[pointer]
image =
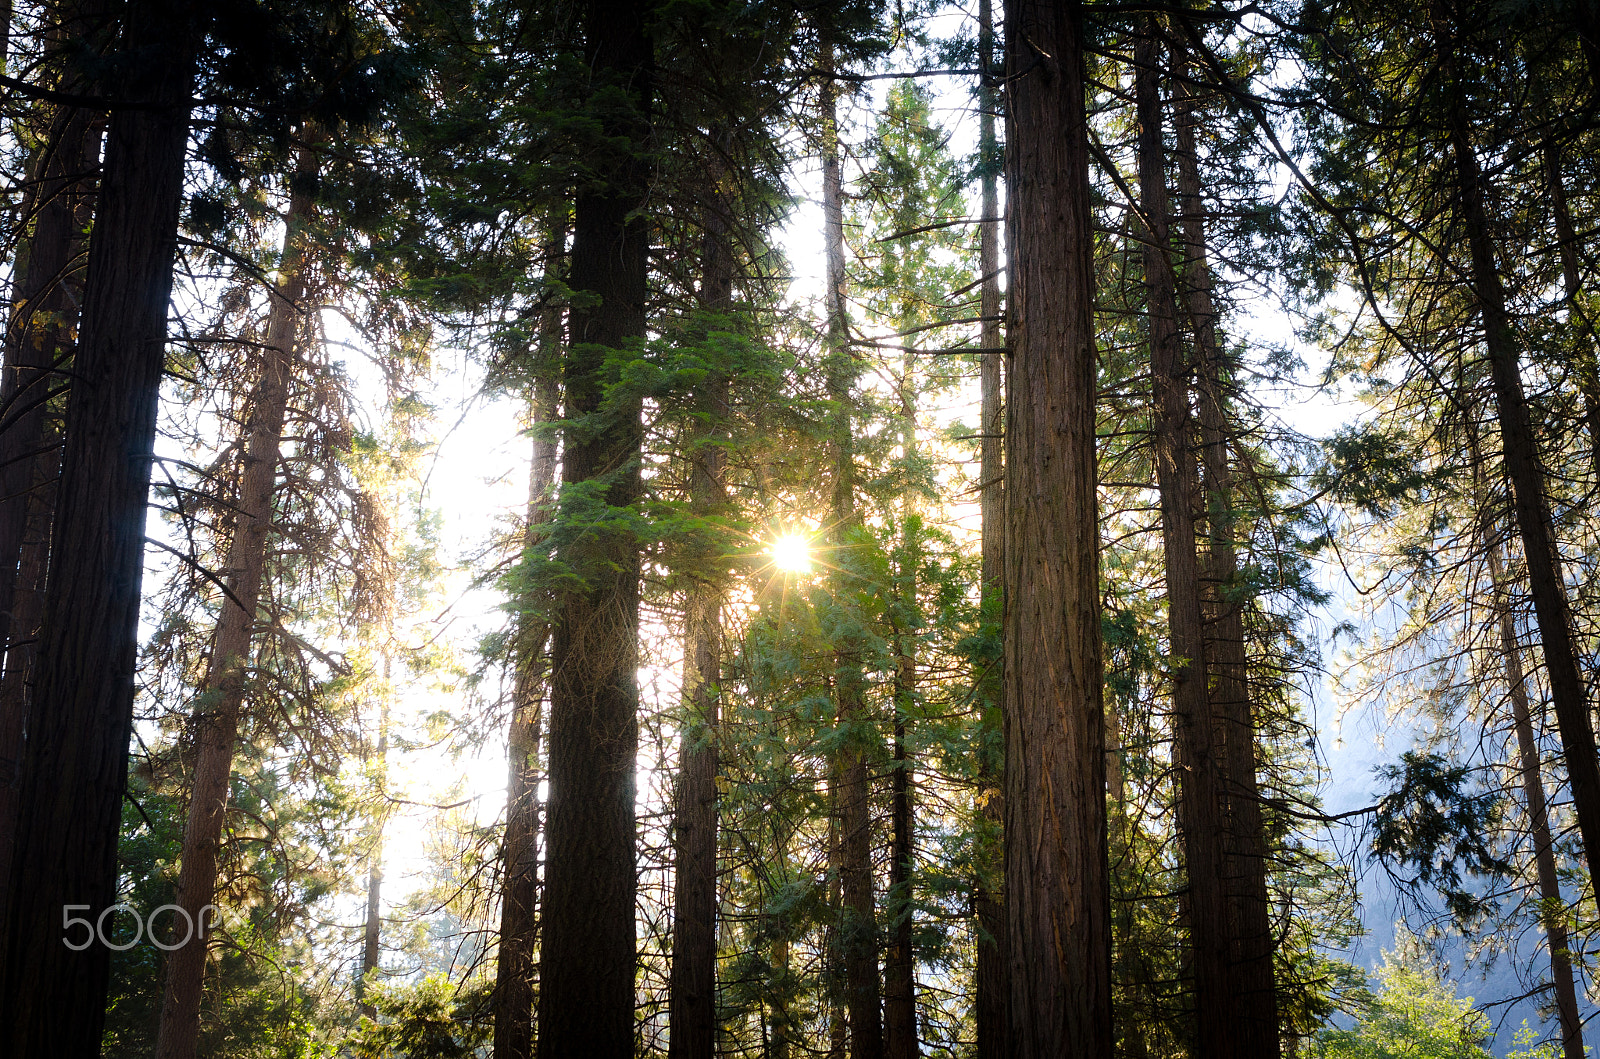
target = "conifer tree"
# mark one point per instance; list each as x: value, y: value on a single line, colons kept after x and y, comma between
x: 1057, y: 897
x: 586, y: 974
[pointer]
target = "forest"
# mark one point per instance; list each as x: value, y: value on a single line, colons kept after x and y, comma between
x: 584, y: 529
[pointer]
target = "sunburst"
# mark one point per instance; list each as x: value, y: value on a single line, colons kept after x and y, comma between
x: 791, y: 553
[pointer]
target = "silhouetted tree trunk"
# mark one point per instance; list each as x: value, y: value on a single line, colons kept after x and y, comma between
x: 517, y: 963
x: 1552, y: 905
x: 692, y: 1008
x: 1255, y: 1004
x: 900, y: 968
x: 1552, y: 910
x: 990, y: 973
x: 52, y: 998
x: 1197, y: 750
x: 49, y: 274
x: 215, y: 722
x: 1526, y: 473
x: 1057, y: 891
x: 858, y: 939
x: 586, y: 971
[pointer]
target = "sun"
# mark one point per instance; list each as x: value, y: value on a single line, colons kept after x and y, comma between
x: 791, y: 553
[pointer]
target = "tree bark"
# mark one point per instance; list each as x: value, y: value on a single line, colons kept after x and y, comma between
x: 899, y: 972
x: 220, y: 699
x: 38, y: 340
x: 988, y: 895
x: 1255, y: 1006
x: 1526, y: 473
x: 1198, y: 753
x: 1553, y: 907
x: 75, y: 762
x: 1057, y: 891
x: 692, y: 989
x: 517, y: 965
x: 587, y: 961
x: 857, y: 935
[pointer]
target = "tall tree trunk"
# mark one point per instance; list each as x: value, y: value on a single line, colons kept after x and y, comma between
x: 38, y: 341
x: 852, y: 785
x: 587, y: 960
x: 216, y: 729
x: 1057, y: 891
x: 990, y: 973
x: 1524, y: 469
x: 1583, y: 359
x: 372, y: 929
x: 52, y: 999
x: 899, y: 972
x: 517, y: 965
x: 838, y: 1020
x: 1552, y: 915
x: 1553, y: 907
x: 1255, y: 1005
x: 781, y: 1030
x: 1197, y: 750
x: 692, y: 1008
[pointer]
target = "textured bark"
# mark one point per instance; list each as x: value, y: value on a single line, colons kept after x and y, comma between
x: 781, y: 1029
x: 1198, y: 751
x: 1553, y: 910
x: 857, y: 937
x: 1255, y: 1005
x: 220, y: 702
x: 838, y: 1021
x: 38, y: 340
x: 988, y: 896
x: 1057, y: 893
x: 1526, y: 473
x: 75, y: 763
x: 587, y: 960
x: 692, y: 988
x: 517, y: 965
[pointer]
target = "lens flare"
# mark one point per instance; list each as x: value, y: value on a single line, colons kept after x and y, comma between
x: 791, y: 553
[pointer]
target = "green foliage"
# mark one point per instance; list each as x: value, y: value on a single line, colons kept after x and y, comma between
x: 1414, y: 1014
x: 1432, y: 823
x: 429, y: 1019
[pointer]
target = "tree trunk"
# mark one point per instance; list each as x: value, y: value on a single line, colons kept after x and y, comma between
x: 1553, y: 907
x: 899, y: 972
x: 1057, y: 892
x: 1524, y: 469
x: 70, y: 798
x: 1583, y: 360
x: 692, y: 1008
x: 990, y: 972
x: 852, y: 790
x: 1197, y: 751
x: 38, y: 341
x: 517, y: 964
x: 587, y: 960
x: 216, y: 729
x: 372, y: 929
x: 1255, y: 1005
